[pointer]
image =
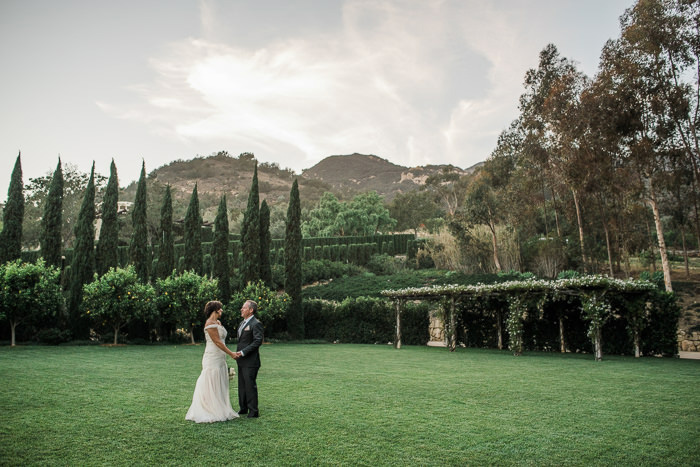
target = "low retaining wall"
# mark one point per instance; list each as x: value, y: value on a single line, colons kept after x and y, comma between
x: 689, y: 341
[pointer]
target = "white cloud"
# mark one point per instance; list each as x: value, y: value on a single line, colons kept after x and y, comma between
x: 416, y: 82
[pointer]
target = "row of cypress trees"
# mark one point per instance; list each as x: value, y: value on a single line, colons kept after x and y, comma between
x: 89, y: 258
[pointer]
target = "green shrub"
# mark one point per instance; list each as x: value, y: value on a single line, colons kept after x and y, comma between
x: 415, y: 323
x: 365, y: 320
x: 515, y: 276
x: 117, y: 298
x: 318, y: 270
x: 272, y: 308
x: 384, y: 265
x: 30, y: 293
x: 568, y: 274
x: 657, y: 277
x: 180, y: 302
x: 660, y: 336
x: 53, y: 336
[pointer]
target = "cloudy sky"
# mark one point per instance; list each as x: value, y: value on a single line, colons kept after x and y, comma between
x: 415, y: 82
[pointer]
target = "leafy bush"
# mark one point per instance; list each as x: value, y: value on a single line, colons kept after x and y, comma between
x: 657, y: 277
x: 660, y: 336
x: 318, y: 270
x: 181, y: 299
x: 515, y: 276
x: 117, y: 298
x: 29, y: 293
x: 568, y: 274
x: 384, y: 265
x: 272, y: 307
x: 365, y: 320
x: 53, y: 336
x: 415, y: 323
x: 371, y: 285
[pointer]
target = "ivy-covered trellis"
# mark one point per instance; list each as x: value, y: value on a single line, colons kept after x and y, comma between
x: 598, y: 297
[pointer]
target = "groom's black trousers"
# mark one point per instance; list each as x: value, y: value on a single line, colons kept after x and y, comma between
x: 248, y: 389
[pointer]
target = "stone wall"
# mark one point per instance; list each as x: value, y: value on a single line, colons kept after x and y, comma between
x: 689, y: 341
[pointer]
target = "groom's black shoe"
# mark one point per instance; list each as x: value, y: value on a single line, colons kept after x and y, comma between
x: 253, y: 415
x: 242, y: 412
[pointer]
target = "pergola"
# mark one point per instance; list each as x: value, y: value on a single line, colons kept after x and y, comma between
x: 593, y: 291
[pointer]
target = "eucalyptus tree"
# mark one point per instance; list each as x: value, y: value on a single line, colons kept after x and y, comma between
x: 50, y: 236
x: 664, y: 36
x: 550, y: 113
x: 414, y: 209
x: 108, y: 244
x: 644, y: 121
x: 482, y: 206
x: 445, y: 186
x: 12, y: 217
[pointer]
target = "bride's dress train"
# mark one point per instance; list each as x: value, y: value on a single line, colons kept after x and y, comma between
x: 211, y: 401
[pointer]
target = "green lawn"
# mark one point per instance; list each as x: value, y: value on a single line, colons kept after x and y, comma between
x: 350, y: 405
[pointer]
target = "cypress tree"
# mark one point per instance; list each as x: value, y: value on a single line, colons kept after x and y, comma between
x: 194, y: 258
x: 250, y: 234
x: 52, y: 220
x: 83, y: 265
x: 138, y: 249
x: 265, y: 244
x: 292, y: 264
x: 221, y: 268
x: 108, y: 244
x: 12, y: 217
x: 166, y: 250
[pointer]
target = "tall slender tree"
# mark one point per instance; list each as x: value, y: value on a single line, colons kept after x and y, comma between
x: 50, y: 237
x: 166, y: 241
x: 138, y: 249
x: 108, y: 244
x: 250, y: 234
x: 12, y: 217
x: 265, y: 244
x: 83, y: 264
x: 194, y: 259
x: 292, y: 264
x: 221, y: 268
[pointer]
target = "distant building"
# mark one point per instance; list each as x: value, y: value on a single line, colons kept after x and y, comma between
x: 123, y: 207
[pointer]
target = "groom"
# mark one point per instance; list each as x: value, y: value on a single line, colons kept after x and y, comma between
x: 250, y: 337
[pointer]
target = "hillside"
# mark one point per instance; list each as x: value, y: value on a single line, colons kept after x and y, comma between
x: 358, y: 173
x: 219, y: 174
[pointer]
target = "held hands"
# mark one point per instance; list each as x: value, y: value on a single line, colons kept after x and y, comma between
x: 236, y: 355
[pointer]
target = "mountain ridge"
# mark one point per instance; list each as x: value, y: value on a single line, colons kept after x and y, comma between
x: 343, y: 175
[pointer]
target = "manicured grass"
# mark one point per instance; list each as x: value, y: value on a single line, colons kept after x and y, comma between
x: 350, y: 405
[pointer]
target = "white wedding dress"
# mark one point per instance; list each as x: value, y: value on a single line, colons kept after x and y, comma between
x: 211, y: 401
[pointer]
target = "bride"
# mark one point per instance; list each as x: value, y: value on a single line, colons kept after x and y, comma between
x: 211, y: 401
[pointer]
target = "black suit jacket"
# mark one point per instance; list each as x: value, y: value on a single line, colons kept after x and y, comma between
x: 249, y: 342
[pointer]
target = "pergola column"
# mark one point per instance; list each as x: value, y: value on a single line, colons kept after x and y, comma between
x: 398, y: 304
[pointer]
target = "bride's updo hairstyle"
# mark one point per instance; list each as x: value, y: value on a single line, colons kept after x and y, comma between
x: 211, y: 307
